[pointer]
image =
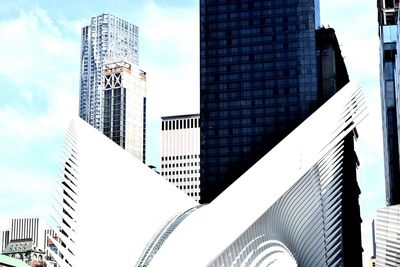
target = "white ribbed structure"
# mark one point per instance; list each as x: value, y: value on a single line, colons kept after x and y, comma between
x: 297, y: 220
x: 301, y: 209
x: 387, y: 236
x: 108, y: 198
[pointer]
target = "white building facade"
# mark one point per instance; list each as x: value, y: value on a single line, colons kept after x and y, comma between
x: 387, y: 231
x: 124, y: 121
x: 180, y: 152
x: 107, y: 39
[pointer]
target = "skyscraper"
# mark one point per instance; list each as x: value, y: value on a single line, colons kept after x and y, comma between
x: 107, y: 39
x: 124, y: 119
x: 387, y: 19
x: 180, y: 152
x: 258, y: 81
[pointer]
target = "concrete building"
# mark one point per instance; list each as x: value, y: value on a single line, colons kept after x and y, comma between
x: 107, y: 39
x: 180, y: 152
x: 124, y: 110
x: 299, y: 220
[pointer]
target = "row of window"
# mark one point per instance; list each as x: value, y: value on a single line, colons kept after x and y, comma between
x: 181, y: 157
x: 180, y: 124
x: 187, y: 186
x: 173, y: 165
x: 180, y: 172
x: 180, y: 180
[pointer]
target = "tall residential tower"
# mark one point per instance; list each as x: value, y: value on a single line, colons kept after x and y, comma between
x: 107, y: 39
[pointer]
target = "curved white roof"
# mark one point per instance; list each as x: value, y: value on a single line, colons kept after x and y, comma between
x: 113, y: 205
x: 116, y: 203
x: 210, y: 230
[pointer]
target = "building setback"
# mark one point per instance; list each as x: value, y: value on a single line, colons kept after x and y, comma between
x: 107, y: 39
x: 387, y: 19
x: 180, y: 152
x: 124, y: 107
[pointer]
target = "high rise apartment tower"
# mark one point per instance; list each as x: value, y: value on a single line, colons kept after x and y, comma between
x: 124, y: 117
x: 258, y: 81
x: 387, y: 19
x: 180, y: 152
x: 107, y: 39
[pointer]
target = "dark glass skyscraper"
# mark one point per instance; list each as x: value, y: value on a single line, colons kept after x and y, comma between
x: 387, y: 19
x: 258, y: 71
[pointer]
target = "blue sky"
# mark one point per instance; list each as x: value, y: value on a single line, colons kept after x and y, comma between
x: 39, y: 78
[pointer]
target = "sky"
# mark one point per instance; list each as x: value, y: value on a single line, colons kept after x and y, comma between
x: 39, y: 85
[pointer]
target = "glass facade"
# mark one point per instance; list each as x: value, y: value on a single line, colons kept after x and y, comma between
x: 258, y: 81
x: 387, y: 18
x: 124, y: 109
x: 107, y: 39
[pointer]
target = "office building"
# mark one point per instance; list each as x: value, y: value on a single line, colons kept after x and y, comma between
x: 299, y: 220
x: 180, y: 152
x: 5, y: 239
x: 124, y: 119
x: 258, y: 81
x: 27, y: 228
x: 107, y: 39
x: 387, y: 20
x: 387, y: 229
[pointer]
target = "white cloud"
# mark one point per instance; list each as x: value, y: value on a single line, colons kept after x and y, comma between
x: 169, y: 45
x: 41, y: 62
x: 40, y: 65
